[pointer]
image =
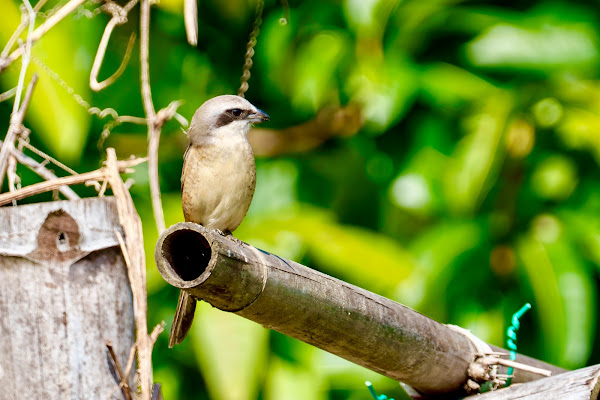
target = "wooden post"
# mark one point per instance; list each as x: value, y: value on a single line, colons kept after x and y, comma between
x: 343, y: 319
x: 64, y: 293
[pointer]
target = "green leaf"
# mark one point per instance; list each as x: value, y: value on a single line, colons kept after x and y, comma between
x: 475, y: 163
x: 547, y: 46
x: 230, y: 351
x: 286, y: 381
x: 385, y: 87
x: 563, y: 290
x: 578, y: 130
x: 434, y: 252
x: 446, y: 85
x: 314, y: 84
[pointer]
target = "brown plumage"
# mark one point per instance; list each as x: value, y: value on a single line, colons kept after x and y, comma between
x: 218, y: 178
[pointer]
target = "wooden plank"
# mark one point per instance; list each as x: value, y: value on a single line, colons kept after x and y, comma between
x: 61, y: 298
x: 581, y: 384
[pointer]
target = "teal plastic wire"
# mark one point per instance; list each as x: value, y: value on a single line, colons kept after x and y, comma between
x: 374, y: 393
x: 511, y: 342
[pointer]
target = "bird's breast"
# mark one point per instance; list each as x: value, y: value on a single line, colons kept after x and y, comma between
x: 218, y: 183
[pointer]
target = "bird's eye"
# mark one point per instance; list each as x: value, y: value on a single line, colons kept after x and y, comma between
x: 236, y: 112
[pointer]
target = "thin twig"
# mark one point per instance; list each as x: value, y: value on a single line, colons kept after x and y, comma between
x: 28, y: 94
x: 8, y: 94
x: 133, y: 246
x: 42, y: 187
x: 144, y: 61
x: 158, y: 329
x: 190, y: 18
x: 43, y: 172
x: 101, y: 113
x: 15, y: 124
x: 94, y: 84
x: 119, y: 17
x: 47, y: 186
x: 153, y: 126
x: 41, y: 30
x: 131, y: 357
x: 524, y: 367
x: 122, y: 378
x: 26, y: 56
x: 47, y: 157
x: 24, y: 23
x: 11, y: 173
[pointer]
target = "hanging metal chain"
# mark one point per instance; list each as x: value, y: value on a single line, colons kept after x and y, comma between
x: 250, y: 48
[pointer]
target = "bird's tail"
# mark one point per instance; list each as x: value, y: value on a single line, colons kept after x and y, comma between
x: 184, y: 316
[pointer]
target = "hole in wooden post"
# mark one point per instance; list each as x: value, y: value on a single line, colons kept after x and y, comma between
x: 62, y: 242
x: 187, y: 252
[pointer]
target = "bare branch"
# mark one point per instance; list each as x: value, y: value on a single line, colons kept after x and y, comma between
x: 119, y: 17
x: 42, y: 187
x: 42, y: 29
x: 13, y: 128
x: 42, y: 171
x: 144, y: 61
x: 153, y: 126
x: 11, y: 42
x: 131, y: 357
x: 11, y: 173
x: 133, y: 249
x: 24, y: 23
x: 47, y: 157
x: 27, y: 98
x: 8, y: 94
x: 47, y: 186
x: 190, y: 17
x: 94, y: 84
x: 158, y: 329
x: 122, y: 377
x: 26, y: 57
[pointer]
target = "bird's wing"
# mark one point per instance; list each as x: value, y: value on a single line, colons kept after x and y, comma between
x: 183, y: 170
x: 184, y: 316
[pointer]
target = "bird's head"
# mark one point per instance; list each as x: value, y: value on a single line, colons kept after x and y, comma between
x: 227, y: 114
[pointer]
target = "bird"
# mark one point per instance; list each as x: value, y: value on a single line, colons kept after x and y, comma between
x: 218, y: 178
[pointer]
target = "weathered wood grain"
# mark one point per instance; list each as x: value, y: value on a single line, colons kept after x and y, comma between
x: 581, y: 384
x: 64, y: 292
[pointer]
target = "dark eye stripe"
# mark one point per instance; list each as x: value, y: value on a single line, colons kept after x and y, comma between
x: 227, y: 117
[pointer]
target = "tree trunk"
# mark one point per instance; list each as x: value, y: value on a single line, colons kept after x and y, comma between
x: 64, y: 293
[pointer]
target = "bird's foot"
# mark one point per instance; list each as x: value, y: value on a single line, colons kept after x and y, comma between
x: 230, y: 235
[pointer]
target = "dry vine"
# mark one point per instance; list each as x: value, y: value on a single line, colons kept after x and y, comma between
x: 10, y: 155
x: 260, y: 4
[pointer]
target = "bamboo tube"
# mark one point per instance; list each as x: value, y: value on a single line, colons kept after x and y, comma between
x: 343, y: 319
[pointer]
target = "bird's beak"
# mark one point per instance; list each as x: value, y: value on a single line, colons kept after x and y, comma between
x: 258, y: 117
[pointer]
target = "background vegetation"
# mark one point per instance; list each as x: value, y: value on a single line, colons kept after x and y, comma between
x: 471, y: 187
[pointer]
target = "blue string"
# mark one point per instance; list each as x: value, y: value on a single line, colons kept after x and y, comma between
x: 511, y: 342
x: 374, y: 393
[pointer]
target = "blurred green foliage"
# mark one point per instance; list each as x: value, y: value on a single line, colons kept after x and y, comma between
x: 471, y: 189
